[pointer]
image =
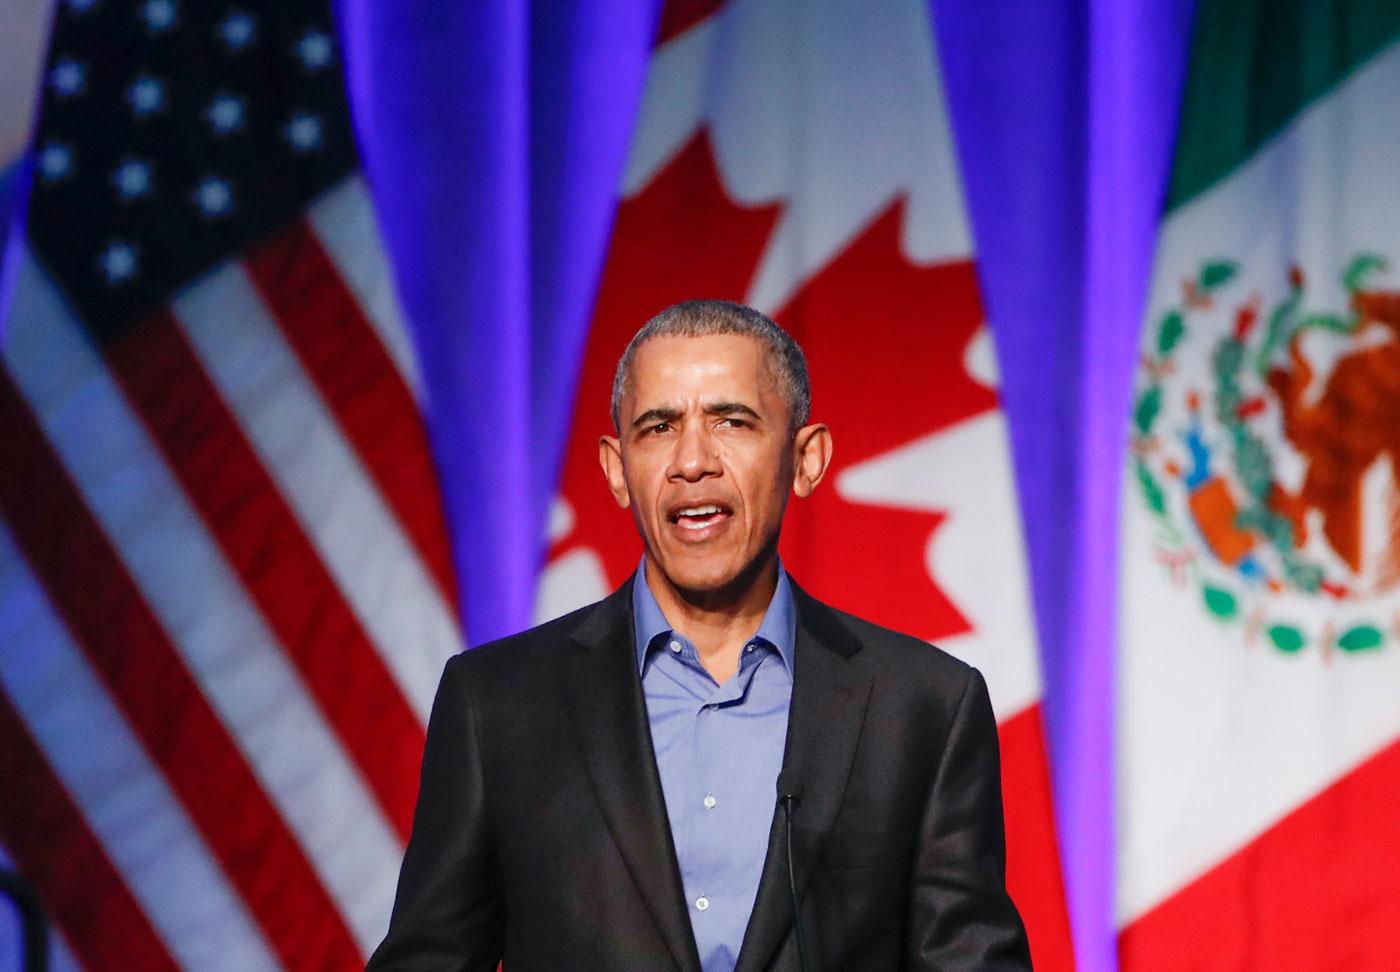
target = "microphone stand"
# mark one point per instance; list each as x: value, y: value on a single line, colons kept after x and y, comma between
x: 788, y: 800
x: 34, y: 926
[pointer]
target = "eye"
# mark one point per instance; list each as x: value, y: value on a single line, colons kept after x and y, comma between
x: 659, y: 427
x: 734, y: 423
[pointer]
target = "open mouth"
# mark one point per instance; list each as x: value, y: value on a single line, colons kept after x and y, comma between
x: 700, y: 516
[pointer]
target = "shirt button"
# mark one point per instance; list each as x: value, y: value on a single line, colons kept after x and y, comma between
x: 749, y: 650
x: 710, y: 801
x: 702, y: 902
x: 676, y: 647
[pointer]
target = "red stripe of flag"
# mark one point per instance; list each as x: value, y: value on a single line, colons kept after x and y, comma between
x: 678, y: 16
x: 1320, y: 889
x: 69, y: 868
x: 264, y: 543
x: 111, y: 622
x: 344, y: 356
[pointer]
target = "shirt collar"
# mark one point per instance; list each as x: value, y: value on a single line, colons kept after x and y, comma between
x: 778, y: 628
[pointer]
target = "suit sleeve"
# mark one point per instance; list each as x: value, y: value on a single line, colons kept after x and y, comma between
x: 448, y: 912
x: 961, y: 917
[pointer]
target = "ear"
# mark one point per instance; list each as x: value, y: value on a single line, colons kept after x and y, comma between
x: 610, y: 458
x: 812, y: 451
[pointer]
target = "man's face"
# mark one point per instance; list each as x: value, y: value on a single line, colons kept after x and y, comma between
x: 705, y: 458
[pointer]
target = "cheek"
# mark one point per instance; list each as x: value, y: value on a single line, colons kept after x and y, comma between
x: 762, y: 491
x: 642, y: 476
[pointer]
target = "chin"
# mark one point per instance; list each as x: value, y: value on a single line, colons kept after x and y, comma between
x: 690, y: 573
x: 702, y: 580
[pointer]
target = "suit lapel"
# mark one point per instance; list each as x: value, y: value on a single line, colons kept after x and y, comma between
x: 604, y: 696
x: 829, y: 696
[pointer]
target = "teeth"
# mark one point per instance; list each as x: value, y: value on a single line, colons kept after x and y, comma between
x: 699, y: 511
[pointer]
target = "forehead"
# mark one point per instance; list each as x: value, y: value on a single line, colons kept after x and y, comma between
x: 673, y: 366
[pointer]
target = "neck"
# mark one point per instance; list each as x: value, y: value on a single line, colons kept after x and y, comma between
x: 718, y: 622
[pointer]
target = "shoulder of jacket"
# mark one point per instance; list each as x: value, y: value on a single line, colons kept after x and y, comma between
x: 517, y: 654
x: 906, y: 654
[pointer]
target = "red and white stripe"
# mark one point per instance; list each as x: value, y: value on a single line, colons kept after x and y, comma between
x: 227, y: 599
x: 127, y: 804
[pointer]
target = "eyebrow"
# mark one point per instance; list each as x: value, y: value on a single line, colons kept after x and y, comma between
x: 670, y: 414
x: 730, y: 408
x: 652, y: 415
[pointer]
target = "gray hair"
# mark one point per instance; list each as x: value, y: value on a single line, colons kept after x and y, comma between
x: 700, y: 318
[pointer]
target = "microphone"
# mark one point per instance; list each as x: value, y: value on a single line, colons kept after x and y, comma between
x: 788, y: 796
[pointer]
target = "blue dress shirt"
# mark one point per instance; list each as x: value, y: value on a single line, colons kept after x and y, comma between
x: 719, y: 749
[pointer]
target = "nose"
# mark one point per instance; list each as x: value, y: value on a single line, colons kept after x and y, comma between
x: 695, y: 456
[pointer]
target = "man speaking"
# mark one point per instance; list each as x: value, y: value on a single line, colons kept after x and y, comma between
x: 709, y: 769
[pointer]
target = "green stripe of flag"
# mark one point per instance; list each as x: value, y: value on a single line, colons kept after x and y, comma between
x: 1255, y: 64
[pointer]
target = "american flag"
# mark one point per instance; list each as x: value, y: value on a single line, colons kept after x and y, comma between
x: 226, y: 591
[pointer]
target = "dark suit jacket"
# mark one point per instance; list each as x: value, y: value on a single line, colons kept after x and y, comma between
x: 541, y: 832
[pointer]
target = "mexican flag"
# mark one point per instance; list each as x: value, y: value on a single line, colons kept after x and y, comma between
x: 797, y: 156
x: 1259, y: 712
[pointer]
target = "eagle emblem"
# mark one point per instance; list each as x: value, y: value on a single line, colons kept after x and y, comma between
x: 1266, y: 446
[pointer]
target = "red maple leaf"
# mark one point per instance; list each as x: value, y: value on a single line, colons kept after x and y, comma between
x: 885, y: 340
x: 679, y: 238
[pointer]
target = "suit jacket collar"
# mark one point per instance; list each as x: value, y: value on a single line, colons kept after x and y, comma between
x: 603, y: 691
x: 830, y: 692
x: 604, y: 695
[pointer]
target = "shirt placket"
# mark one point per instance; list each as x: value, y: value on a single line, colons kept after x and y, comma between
x: 709, y: 814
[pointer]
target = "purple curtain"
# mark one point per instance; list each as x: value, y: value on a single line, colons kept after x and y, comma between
x: 1065, y: 116
x: 493, y: 135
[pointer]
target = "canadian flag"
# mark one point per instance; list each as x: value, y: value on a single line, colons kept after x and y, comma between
x: 796, y: 156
